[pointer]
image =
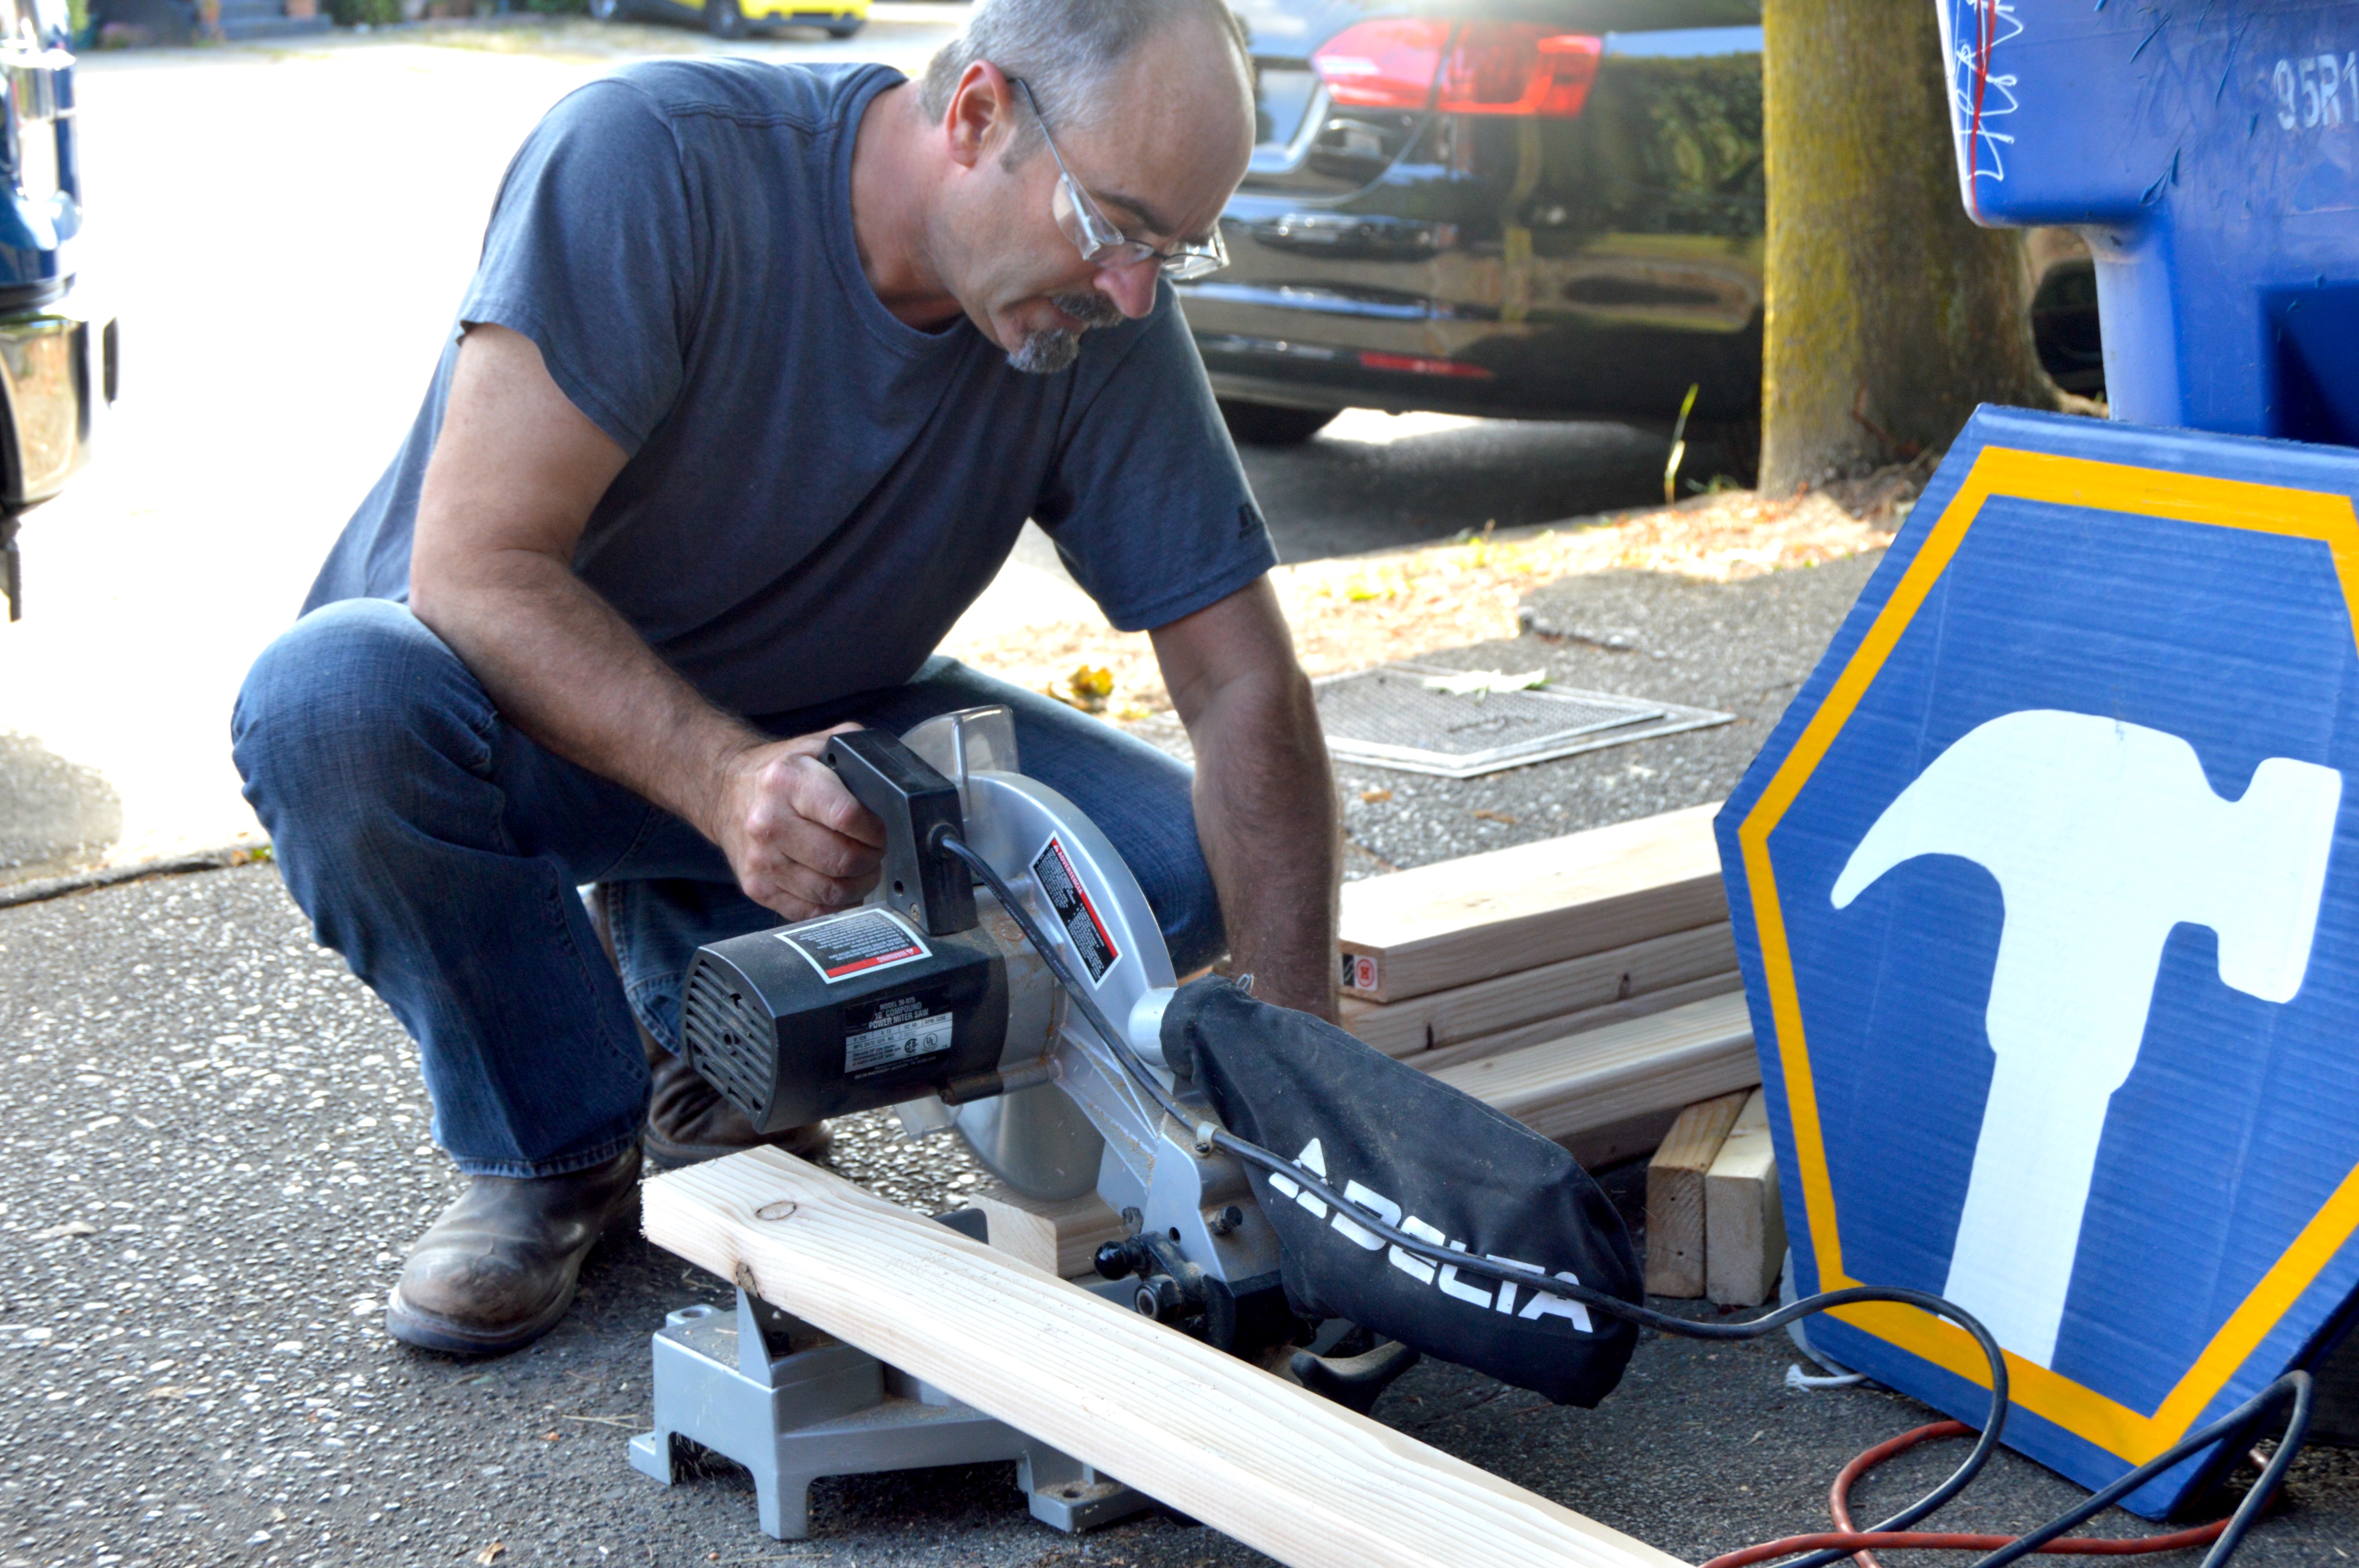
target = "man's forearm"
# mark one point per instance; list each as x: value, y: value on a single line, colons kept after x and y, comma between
x: 1266, y: 815
x: 566, y: 669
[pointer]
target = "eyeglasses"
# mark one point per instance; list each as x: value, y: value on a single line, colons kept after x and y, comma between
x: 1099, y: 239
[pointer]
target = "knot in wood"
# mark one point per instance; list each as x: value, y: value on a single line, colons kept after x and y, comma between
x: 779, y: 1210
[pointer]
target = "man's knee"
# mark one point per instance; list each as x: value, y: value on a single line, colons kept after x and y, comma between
x: 342, y: 708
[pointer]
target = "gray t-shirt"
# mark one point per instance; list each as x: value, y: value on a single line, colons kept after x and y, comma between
x: 815, y: 490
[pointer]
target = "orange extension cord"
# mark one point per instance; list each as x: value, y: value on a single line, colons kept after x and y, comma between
x: 1846, y: 1536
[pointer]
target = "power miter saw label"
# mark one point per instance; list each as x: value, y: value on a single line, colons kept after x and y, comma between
x: 892, y: 1029
x: 858, y: 943
x: 1079, y: 916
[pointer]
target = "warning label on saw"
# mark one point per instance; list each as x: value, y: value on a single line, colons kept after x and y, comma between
x: 857, y: 943
x: 894, y: 1030
x: 1055, y: 870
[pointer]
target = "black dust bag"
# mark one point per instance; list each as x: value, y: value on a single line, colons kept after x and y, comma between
x: 1436, y: 1163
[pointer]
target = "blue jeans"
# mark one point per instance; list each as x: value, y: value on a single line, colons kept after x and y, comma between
x: 440, y: 850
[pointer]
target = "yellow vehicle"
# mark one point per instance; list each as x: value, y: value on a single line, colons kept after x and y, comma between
x: 736, y: 18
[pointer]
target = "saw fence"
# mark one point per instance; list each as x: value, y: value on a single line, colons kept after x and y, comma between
x: 1586, y: 986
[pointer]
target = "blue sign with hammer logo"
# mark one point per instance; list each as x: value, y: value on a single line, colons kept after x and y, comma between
x: 2046, y: 891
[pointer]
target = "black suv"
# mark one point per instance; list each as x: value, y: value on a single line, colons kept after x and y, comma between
x: 1544, y: 208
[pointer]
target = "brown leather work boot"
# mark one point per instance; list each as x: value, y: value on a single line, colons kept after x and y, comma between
x: 689, y: 1120
x: 498, y: 1268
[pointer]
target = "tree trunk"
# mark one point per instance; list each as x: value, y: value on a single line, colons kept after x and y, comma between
x: 1890, y: 313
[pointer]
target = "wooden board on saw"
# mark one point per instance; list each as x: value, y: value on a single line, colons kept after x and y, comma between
x: 1675, y: 1219
x: 1260, y: 1459
x: 1569, y: 986
x: 1457, y: 922
x: 1606, y: 1076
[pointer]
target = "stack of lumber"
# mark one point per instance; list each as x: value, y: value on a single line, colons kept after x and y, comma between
x: 1586, y: 986
x: 1263, y: 1460
x: 1469, y: 957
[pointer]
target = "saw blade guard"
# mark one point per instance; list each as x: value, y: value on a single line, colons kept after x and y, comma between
x: 1042, y: 1141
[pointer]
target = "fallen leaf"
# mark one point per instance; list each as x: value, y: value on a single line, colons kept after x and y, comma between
x: 491, y: 1553
x: 1376, y: 797
x: 1489, y: 815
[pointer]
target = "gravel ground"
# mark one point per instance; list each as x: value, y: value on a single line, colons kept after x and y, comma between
x: 217, y: 1153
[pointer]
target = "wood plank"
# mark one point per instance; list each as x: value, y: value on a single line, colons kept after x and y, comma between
x: 1261, y: 1459
x: 1465, y: 920
x: 1675, y: 1228
x: 1553, y: 990
x: 1744, y: 1217
x: 1578, y: 1084
x: 1059, y: 1238
x: 1626, y: 1139
x: 1548, y: 1028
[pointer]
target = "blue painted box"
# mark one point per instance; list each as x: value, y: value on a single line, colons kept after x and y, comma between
x: 2209, y: 155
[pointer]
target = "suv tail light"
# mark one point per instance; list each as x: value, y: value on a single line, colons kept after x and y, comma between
x: 1384, y: 64
x: 1481, y: 67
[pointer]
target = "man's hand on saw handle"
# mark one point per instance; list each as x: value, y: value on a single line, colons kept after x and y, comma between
x: 797, y: 841
x: 515, y: 476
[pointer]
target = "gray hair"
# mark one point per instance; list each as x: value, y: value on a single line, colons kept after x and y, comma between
x: 1066, y: 50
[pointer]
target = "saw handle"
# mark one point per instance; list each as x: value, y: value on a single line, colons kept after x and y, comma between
x: 918, y: 807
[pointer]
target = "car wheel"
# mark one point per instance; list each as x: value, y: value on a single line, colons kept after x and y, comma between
x: 1272, y: 423
x: 723, y: 19
x: 845, y: 27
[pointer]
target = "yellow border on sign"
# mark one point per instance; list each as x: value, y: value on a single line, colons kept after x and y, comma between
x: 2103, y: 486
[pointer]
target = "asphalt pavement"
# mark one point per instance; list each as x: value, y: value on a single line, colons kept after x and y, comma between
x: 218, y: 1150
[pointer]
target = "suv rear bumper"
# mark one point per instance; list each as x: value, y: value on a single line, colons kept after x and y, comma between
x: 58, y: 374
x: 59, y: 369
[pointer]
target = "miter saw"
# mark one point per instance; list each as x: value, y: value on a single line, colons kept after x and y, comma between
x: 1008, y: 980
x: 930, y: 998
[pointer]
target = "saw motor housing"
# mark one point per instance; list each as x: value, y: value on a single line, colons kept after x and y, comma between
x: 849, y: 1013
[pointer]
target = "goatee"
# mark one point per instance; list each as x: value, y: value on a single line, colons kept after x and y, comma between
x: 1052, y: 348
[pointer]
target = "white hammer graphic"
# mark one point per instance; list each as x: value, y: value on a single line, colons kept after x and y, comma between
x: 2103, y: 837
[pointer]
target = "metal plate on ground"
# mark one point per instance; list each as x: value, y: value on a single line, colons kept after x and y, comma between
x: 1389, y: 718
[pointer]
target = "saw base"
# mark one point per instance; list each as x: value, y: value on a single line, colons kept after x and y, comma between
x: 792, y: 1405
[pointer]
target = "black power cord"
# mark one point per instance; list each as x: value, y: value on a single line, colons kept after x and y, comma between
x: 1210, y: 1135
